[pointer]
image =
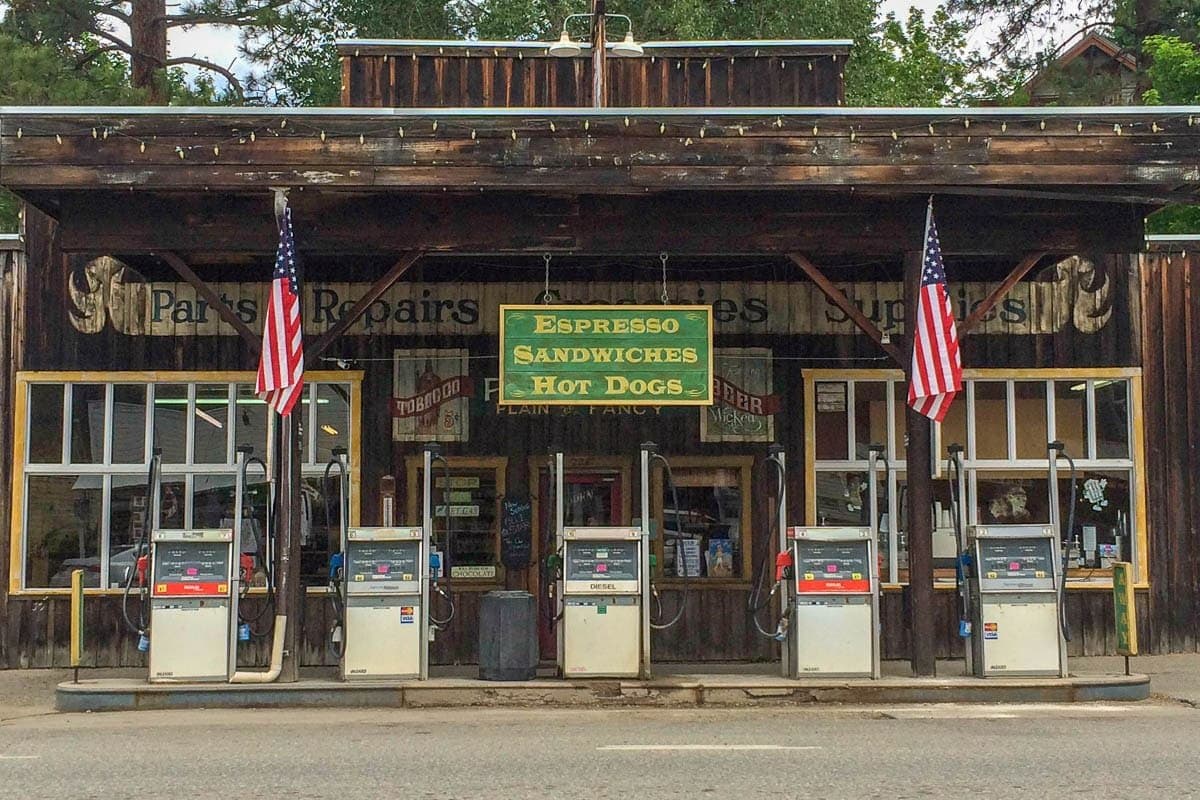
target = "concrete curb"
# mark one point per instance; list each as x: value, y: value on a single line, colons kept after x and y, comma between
x: 721, y: 691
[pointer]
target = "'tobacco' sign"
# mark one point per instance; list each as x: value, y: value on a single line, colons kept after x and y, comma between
x: 601, y: 355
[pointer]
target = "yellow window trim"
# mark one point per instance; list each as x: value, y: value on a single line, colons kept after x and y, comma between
x: 16, y: 566
x: 1138, y: 443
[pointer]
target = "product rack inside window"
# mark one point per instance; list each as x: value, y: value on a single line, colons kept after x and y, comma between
x: 1004, y: 420
x: 87, y: 446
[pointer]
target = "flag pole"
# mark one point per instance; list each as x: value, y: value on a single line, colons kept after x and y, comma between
x: 918, y: 458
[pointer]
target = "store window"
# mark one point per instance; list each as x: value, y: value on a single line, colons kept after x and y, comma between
x: 1004, y: 423
x: 81, y: 476
x: 467, y: 496
x: 705, y: 521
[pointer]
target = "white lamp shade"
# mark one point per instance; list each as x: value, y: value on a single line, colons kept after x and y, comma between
x: 564, y: 47
x: 628, y: 48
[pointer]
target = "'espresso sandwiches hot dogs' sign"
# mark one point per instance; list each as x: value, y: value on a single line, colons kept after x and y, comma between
x: 600, y: 355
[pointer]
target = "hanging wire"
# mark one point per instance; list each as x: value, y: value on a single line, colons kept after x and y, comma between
x: 663, y: 258
x: 546, y: 291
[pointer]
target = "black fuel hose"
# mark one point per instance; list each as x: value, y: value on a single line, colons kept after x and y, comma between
x: 445, y: 565
x: 141, y: 549
x: 662, y: 626
x: 756, y: 602
x: 268, y: 567
x: 337, y: 581
x: 1066, y: 549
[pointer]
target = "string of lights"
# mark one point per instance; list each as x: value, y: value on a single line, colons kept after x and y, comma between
x: 430, y: 126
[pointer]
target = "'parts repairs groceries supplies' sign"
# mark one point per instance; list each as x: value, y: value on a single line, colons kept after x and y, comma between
x: 606, y: 355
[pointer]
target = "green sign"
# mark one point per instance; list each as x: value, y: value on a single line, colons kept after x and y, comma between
x: 1126, y: 611
x: 606, y: 355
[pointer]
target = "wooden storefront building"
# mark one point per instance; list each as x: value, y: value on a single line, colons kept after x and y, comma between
x: 460, y: 176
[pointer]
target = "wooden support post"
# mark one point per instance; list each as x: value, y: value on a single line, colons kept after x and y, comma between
x: 839, y: 299
x: 213, y: 299
x: 980, y: 311
x: 919, y: 461
x: 317, y: 348
x: 290, y: 589
x: 599, y: 54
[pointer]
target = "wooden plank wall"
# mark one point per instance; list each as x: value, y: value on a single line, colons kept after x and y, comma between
x: 486, y: 79
x: 12, y: 270
x: 1171, y: 363
x: 716, y: 625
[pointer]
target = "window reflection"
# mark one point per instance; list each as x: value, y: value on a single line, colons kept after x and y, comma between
x: 63, y: 529
x: 46, y: 417
x: 1112, y: 419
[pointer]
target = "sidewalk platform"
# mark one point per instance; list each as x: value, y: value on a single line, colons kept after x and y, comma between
x: 670, y: 690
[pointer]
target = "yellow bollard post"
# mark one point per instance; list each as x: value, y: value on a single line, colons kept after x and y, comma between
x: 76, y: 620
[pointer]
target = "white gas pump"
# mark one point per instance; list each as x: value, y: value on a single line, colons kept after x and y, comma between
x: 1014, y: 597
x: 381, y: 580
x: 834, y: 590
x: 191, y: 604
x: 602, y: 628
x: 385, y: 631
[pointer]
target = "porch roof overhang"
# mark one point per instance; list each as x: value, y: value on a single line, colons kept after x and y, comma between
x: 1101, y: 169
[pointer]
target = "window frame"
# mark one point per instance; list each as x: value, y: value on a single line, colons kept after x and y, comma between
x: 107, y: 470
x: 1134, y: 464
x: 413, y: 510
x: 744, y: 464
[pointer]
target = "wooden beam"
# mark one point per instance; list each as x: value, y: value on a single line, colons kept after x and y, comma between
x: 214, y: 300
x: 817, y: 224
x: 839, y: 299
x: 980, y: 311
x: 376, y: 291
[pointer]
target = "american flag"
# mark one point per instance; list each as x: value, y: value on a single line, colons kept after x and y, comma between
x: 936, y: 374
x: 281, y: 368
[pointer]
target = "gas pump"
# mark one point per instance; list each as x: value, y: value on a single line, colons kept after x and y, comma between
x: 382, y: 580
x: 834, y: 629
x: 1016, y: 578
x: 600, y: 594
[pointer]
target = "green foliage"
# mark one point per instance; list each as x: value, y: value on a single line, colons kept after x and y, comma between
x: 1174, y: 72
x: 1175, y: 80
x: 914, y: 63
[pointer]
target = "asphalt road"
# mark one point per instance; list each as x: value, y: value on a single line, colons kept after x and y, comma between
x: 1147, y: 750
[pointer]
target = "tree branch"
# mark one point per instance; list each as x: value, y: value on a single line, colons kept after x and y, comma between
x: 235, y: 18
x: 234, y: 82
x: 110, y: 10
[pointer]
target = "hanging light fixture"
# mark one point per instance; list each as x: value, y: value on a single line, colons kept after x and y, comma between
x: 564, y: 47
x: 628, y: 48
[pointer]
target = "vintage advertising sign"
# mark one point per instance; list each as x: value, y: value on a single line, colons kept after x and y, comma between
x: 606, y: 355
x: 1126, y: 611
x: 744, y: 404
x: 431, y: 395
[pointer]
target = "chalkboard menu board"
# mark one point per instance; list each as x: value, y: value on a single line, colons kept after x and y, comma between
x: 610, y: 561
x: 191, y: 562
x: 1016, y: 559
x: 516, y: 533
x: 374, y: 562
x: 832, y: 566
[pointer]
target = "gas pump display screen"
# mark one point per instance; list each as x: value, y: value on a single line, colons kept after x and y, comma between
x: 199, y: 568
x: 613, y: 561
x: 1016, y: 559
x: 832, y: 567
x: 374, y: 562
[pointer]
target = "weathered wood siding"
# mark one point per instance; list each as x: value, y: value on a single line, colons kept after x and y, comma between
x: 1171, y: 364
x: 397, y: 76
x: 12, y: 271
x: 716, y: 625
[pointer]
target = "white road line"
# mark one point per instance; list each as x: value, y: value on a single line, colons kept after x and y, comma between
x: 643, y: 747
x: 16, y: 758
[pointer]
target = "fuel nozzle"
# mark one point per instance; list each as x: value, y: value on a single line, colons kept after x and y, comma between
x: 1056, y: 447
x: 955, y: 449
